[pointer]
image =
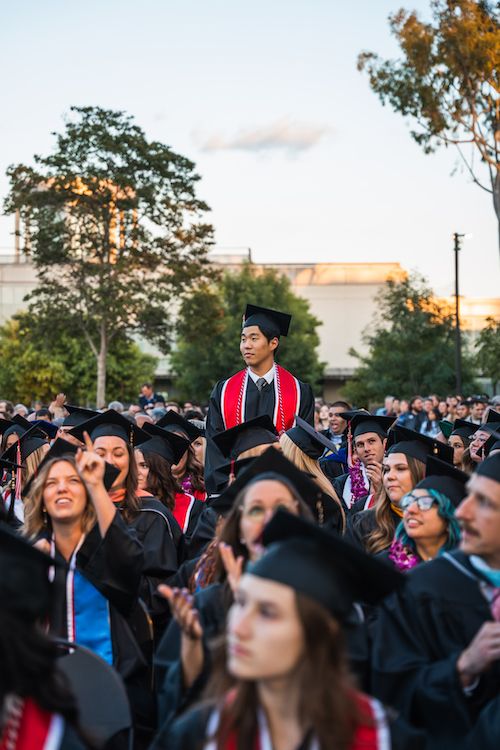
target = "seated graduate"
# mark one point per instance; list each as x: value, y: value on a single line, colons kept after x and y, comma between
x: 403, y: 468
x: 429, y: 526
x: 304, y: 446
x: 154, y: 460
x: 113, y: 438
x: 366, y: 440
x: 37, y: 709
x: 188, y: 472
x: 281, y: 678
x: 27, y: 453
x: 460, y: 439
x: 436, y: 653
x: 270, y: 482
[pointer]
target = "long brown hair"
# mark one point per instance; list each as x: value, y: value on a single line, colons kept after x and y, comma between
x: 35, y: 520
x: 325, y: 686
x: 381, y: 537
x: 210, y: 564
x: 160, y: 483
x: 194, y: 470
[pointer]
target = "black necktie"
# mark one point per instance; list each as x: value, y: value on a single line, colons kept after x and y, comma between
x: 260, y: 383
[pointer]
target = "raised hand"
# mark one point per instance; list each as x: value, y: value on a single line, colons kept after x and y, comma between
x: 89, y: 464
x: 233, y: 565
x: 183, y: 611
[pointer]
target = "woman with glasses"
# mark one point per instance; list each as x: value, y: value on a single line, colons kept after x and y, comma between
x: 428, y: 526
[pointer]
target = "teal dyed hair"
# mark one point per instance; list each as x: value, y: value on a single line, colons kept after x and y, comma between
x: 446, y: 510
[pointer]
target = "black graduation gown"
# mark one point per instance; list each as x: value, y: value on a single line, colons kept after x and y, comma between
x: 257, y: 403
x: 420, y: 633
x: 203, y: 533
x: 154, y: 528
x: 189, y: 732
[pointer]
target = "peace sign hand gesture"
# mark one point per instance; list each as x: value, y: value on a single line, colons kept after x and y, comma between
x: 89, y: 464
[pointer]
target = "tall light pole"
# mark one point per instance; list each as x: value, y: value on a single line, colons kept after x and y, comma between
x: 458, y: 343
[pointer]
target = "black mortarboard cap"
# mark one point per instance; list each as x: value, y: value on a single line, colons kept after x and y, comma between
x: 311, y: 442
x: 445, y: 478
x: 110, y: 422
x: 25, y: 589
x: 490, y: 467
x: 277, y: 323
x: 174, y: 422
x: 272, y: 464
x: 463, y: 429
x: 363, y: 423
x: 351, y: 413
x: 492, y: 444
x: 19, y: 425
x: 61, y: 448
x: 29, y: 441
x: 411, y: 443
x: 320, y: 565
x: 77, y: 415
x: 236, y: 440
x: 48, y: 428
x: 164, y: 443
x: 4, y: 425
x: 492, y: 420
x: 446, y: 427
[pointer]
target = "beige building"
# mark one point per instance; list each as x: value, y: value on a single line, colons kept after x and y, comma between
x: 341, y: 295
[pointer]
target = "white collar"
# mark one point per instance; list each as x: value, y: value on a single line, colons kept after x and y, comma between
x: 268, y: 377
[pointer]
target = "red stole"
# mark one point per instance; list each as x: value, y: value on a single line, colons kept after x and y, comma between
x: 287, y: 399
x: 31, y: 728
x: 182, y: 510
x: 371, y: 733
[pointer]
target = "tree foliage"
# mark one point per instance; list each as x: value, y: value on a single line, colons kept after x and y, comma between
x: 411, y: 346
x: 114, y: 228
x: 448, y: 82
x: 36, y: 365
x: 209, y: 330
x: 488, y: 351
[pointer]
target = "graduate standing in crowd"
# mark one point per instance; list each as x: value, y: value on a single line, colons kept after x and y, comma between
x: 263, y: 387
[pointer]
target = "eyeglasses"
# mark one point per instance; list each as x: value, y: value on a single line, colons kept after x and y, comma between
x: 424, y: 502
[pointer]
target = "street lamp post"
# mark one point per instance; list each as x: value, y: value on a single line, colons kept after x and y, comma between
x: 458, y: 343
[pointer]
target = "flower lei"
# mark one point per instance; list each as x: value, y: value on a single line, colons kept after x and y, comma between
x: 402, y: 556
x: 358, y: 488
x: 187, y: 485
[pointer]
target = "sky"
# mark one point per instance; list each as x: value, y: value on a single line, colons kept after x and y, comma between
x: 298, y: 159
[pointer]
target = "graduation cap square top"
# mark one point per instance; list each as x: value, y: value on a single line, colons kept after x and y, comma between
x: 363, y: 422
x: 247, y: 435
x: 311, y: 442
x: 491, y: 445
x: 110, y: 423
x: 19, y: 425
x: 490, y: 468
x: 446, y: 427
x: 493, y: 420
x: 416, y: 445
x: 174, y: 422
x: 463, y: 429
x: 28, y: 442
x: 164, y: 443
x: 272, y: 464
x: 275, y: 322
x: 320, y: 565
x: 25, y: 589
x: 60, y: 448
x: 445, y: 478
x: 77, y: 415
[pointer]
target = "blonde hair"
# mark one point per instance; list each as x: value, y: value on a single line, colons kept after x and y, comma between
x: 35, y: 519
x: 257, y: 450
x: 305, y: 463
x: 32, y: 463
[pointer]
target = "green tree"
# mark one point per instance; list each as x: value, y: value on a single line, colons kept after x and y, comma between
x: 36, y: 365
x: 411, y: 346
x: 209, y: 329
x: 114, y: 228
x: 488, y: 351
x: 448, y: 82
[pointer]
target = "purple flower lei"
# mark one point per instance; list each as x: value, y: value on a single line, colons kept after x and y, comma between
x: 358, y: 488
x: 187, y: 485
x: 402, y: 556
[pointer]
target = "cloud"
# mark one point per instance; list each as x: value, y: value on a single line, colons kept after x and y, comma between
x: 282, y: 135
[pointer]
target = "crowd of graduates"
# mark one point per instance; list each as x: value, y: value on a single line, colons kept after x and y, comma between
x: 268, y: 572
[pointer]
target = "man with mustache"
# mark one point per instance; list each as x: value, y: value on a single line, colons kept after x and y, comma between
x: 436, y: 654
